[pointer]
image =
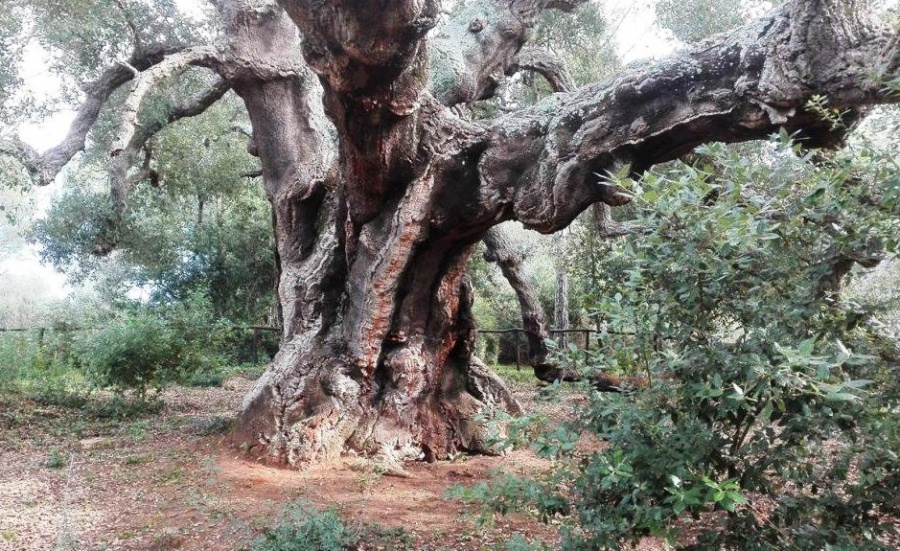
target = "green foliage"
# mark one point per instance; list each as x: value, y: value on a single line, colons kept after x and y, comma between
x: 107, y: 30
x: 582, y: 40
x: 10, y: 57
x: 305, y: 528
x: 131, y: 348
x: 55, y: 460
x: 77, y: 225
x: 32, y: 362
x: 697, y: 19
x: 152, y: 348
x: 203, y: 228
x: 767, y: 399
x: 138, y: 353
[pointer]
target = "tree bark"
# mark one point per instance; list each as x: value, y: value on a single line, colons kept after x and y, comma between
x: 501, y: 250
x: 561, y: 295
x: 534, y: 322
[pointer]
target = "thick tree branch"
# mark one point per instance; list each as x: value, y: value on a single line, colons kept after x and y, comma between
x: 370, y: 60
x: 543, y: 164
x: 146, y: 80
x: 472, y: 52
x: 119, y: 181
x: 43, y: 168
x: 549, y: 66
x: 296, y: 146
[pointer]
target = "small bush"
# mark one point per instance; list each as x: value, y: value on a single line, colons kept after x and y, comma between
x: 137, y: 353
x: 305, y: 528
x: 55, y: 460
x: 152, y: 347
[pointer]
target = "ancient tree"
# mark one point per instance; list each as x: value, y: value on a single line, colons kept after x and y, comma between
x: 381, y: 184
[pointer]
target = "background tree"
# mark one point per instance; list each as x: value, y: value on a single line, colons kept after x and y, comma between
x: 200, y: 227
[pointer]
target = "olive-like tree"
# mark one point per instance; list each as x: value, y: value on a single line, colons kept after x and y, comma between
x: 381, y: 185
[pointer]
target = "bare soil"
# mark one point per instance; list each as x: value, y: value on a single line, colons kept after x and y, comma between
x: 169, y: 481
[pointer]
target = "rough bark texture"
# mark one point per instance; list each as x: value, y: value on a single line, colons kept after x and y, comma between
x: 501, y: 251
x: 376, y: 208
x: 561, y: 296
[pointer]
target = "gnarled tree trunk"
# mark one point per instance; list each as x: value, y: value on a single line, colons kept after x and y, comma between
x: 378, y: 353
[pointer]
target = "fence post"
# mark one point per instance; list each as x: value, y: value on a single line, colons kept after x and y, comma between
x: 255, y: 346
x: 518, y: 351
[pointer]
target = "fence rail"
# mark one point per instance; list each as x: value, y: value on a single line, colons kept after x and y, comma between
x: 552, y: 332
x: 254, y: 346
x: 257, y: 329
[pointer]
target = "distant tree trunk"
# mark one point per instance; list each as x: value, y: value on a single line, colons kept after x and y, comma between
x: 534, y: 322
x: 561, y: 294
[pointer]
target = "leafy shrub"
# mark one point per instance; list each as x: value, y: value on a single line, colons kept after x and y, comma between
x: 767, y: 413
x: 55, y: 460
x: 152, y: 347
x: 139, y: 352
x: 305, y: 528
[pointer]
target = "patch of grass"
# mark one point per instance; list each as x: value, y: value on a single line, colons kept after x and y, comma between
x: 55, y: 460
x: 122, y: 407
x: 169, y: 475
x: 214, y: 426
x: 60, y: 397
x: 303, y: 527
x: 509, y: 373
x: 247, y: 370
x: 204, y: 379
x: 168, y: 538
x: 376, y: 536
x: 138, y: 430
x: 132, y: 460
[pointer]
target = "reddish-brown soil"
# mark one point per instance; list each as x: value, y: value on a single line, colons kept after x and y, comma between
x: 167, y: 481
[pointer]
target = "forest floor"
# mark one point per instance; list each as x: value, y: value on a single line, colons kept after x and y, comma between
x: 70, y: 479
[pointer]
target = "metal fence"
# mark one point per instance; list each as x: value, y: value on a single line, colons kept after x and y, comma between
x: 582, y: 336
x: 582, y: 340
x: 255, y: 340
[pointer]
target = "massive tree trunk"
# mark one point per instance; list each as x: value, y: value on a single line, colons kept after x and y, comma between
x: 377, y: 206
x: 378, y: 353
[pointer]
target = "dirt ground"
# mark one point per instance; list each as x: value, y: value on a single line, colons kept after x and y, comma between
x: 168, y: 481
